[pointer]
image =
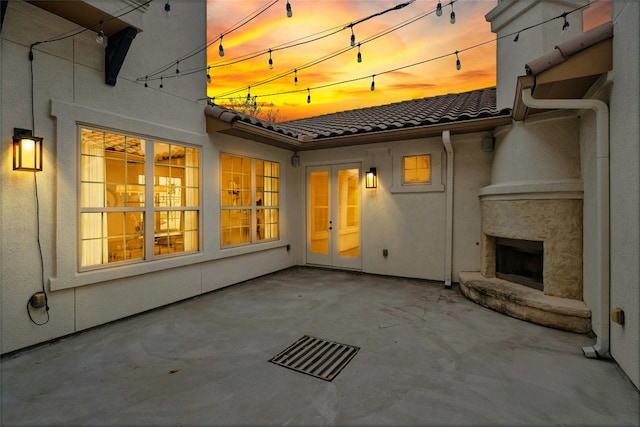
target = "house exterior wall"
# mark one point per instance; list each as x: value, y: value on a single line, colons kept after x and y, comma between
x: 625, y: 187
x: 69, y: 88
x: 411, y: 225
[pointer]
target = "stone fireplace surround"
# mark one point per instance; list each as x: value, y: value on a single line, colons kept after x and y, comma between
x: 554, y: 219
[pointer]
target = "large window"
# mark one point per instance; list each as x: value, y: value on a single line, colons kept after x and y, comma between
x: 117, y: 200
x: 249, y: 200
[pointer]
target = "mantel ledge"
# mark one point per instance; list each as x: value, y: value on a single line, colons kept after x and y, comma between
x: 557, y: 189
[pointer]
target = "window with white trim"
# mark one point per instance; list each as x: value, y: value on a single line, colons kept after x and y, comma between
x: 249, y: 200
x: 117, y: 200
x: 416, y: 170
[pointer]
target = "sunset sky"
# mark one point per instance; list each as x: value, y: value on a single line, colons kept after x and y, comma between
x: 426, y: 39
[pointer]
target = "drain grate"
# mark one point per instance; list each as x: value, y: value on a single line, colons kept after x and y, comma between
x: 316, y: 357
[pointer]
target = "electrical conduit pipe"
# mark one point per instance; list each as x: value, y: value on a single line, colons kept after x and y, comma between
x: 448, y: 252
x: 601, y: 348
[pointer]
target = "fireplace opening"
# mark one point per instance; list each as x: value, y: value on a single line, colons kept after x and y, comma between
x: 520, y: 261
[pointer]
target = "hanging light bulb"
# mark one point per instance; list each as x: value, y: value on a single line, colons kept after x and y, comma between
x: 458, y: 64
x: 270, y: 61
x: 289, y: 11
x: 308, y: 96
x: 161, y: 83
x: 359, y: 54
x: 517, y: 37
x: 565, y: 25
x: 167, y: 8
x: 373, y: 82
x: 255, y: 103
x: 208, y: 75
x: 453, y: 15
x: 100, y: 36
x: 249, y: 94
x: 295, y: 77
x: 145, y: 81
x: 178, y: 68
x: 439, y: 9
x: 220, y: 48
x: 353, y: 38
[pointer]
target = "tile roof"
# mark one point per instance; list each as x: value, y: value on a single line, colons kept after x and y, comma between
x: 437, y: 110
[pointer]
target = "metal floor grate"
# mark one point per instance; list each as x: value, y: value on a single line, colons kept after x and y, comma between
x: 316, y: 357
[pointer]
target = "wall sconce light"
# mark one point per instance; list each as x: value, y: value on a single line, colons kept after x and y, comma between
x: 371, y: 178
x: 27, y: 151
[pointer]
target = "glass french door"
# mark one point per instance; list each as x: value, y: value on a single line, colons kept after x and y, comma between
x: 333, y: 216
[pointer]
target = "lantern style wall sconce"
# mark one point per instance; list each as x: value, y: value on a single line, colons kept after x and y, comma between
x: 371, y: 178
x: 27, y: 151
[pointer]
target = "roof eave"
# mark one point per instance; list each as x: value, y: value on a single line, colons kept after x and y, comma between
x: 276, y: 139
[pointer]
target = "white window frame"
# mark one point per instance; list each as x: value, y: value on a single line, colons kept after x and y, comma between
x: 70, y: 117
x: 253, y: 207
x: 435, y: 185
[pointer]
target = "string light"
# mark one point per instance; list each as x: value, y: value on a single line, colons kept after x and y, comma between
x: 353, y: 37
x: 439, y: 9
x: 167, y: 8
x: 100, y: 36
x: 270, y: 61
x: 220, y: 48
x: 453, y: 15
x: 295, y: 77
x: 456, y: 53
x: 565, y: 24
x: 289, y: 11
x: 251, y: 56
x: 359, y: 54
x: 373, y: 82
x: 208, y: 75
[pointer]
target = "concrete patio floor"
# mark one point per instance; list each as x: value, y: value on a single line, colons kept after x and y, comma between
x: 428, y: 356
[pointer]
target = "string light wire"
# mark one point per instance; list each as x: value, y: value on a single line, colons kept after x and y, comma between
x: 455, y: 53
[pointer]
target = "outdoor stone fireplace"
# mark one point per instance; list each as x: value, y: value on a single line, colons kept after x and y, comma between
x: 540, y: 241
x: 532, y: 226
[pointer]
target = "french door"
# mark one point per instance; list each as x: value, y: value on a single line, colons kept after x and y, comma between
x: 333, y: 216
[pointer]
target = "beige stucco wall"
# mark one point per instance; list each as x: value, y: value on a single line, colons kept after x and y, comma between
x: 411, y: 225
x: 69, y: 88
x: 625, y: 184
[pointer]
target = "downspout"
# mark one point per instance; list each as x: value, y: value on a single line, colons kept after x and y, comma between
x: 448, y: 251
x: 601, y: 348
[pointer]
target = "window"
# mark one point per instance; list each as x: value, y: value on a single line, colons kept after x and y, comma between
x: 416, y: 170
x: 114, y: 198
x: 249, y: 200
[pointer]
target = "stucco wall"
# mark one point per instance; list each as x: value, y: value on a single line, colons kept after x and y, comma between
x: 625, y: 184
x: 69, y: 88
x: 411, y: 225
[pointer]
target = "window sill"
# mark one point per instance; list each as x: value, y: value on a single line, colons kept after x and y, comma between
x: 428, y: 188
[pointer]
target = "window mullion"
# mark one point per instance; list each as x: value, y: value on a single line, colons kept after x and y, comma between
x: 149, y: 200
x: 254, y: 216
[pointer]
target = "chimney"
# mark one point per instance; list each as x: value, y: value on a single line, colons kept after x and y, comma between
x: 511, y: 16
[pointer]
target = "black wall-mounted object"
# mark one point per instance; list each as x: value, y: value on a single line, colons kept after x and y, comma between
x: 116, y: 52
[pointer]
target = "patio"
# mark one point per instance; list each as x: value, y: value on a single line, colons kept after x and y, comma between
x: 427, y: 356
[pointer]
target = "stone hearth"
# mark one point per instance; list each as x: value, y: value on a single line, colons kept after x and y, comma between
x: 557, y: 223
